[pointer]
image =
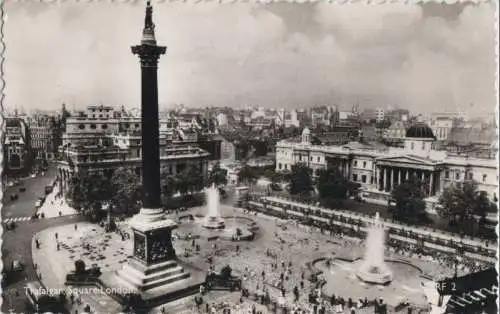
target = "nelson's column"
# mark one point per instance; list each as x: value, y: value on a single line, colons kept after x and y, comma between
x: 153, y: 270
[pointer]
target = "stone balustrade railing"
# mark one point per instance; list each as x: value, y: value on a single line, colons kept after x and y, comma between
x: 443, y: 241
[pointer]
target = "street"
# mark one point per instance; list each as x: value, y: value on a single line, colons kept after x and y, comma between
x: 25, y: 205
x: 17, y: 246
x: 17, y: 242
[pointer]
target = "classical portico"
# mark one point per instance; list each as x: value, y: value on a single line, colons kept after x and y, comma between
x: 343, y: 162
x: 392, y: 171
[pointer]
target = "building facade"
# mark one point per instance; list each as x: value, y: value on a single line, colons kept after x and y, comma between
x: 17, y: 146
x: 380, y: 170
x: 45, y: 136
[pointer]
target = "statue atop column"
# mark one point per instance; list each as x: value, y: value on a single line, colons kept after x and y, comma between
x: 148, y: 20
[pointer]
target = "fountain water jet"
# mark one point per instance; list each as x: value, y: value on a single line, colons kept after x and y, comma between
x: 374, y: 269
x: 213, y: 219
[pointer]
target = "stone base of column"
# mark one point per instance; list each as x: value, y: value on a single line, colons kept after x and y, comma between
x: 146, y: 215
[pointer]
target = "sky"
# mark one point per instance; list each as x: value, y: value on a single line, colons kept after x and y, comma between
x: 425, y: 58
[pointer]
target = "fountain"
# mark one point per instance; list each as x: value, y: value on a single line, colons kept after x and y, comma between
x: 213, y: 219
x: 374, y: 270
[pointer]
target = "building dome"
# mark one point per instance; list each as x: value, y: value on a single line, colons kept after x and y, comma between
x: 420, y: 130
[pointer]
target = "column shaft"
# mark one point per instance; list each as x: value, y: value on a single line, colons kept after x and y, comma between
x: 431, y: 184
x: 384, y: 176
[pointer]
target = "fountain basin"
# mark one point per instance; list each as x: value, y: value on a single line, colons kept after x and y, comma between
x: 234, y: 228
x: 375, y: 275
x: 342, y: 279
x: 213, y: 223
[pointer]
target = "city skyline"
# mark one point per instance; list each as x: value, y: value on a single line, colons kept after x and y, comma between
x: 418, y: 57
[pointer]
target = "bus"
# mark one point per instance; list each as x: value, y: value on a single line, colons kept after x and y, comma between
x: 40, y: 300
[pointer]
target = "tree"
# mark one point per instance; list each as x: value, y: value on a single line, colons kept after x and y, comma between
x: 89, y: 192
x: 464, y: 206
x: 300, y: 180
x: 169, y: 183
x: 217, y: 176
x: 126, y: 191
x: 332, y: 184
x: 247, y: 176
x: 190, y: 180
x: 410, y: 204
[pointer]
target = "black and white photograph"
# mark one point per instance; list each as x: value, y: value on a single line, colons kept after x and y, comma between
x: 244, y: 157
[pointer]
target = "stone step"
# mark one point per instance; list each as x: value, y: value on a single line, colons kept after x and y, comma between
x: 152, y: 268
x: 141, y: 278
x: 165, y: 280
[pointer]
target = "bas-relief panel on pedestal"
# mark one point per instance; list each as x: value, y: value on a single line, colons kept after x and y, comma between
x: 160, y: 247
x: 140, y: 246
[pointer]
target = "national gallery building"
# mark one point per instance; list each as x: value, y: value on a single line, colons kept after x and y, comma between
x: 380, y: 169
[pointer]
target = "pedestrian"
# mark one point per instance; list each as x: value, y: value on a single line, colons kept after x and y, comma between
x: 57, y: 236
x: 60, y: 213
x: 76, y: 227
x: 58, y: 246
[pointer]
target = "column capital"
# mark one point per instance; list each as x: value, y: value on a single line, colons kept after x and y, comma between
x: 149, y: 54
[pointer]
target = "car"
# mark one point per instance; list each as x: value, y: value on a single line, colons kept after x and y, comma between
x: 14, y: 197
x: 275, y: 187
x: 22, y: 189
x: 10, y: 184
x: 33, y: 175
x: 17, y: 266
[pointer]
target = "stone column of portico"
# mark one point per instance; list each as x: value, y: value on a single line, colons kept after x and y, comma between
x: 377, y: 178
x: 431, y: 184
x: 384, y: 176
x: 400, y: 172
x: 392, y: 179
x: 407, y: 174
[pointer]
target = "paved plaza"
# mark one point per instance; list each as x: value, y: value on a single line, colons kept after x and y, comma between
x: 280, y: 247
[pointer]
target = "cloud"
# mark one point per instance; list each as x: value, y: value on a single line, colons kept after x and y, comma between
x: 240, y: 53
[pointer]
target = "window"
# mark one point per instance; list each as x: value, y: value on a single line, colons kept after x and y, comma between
x: 471, y: 175
x: 363, y: 178
x: 311, y: 158
x: 484, y: 178
x: 81, y: 126
x: 93, y: 126
x: 355, y: 163
x: 280, y: 166
x: 319, y: 159
x: 137, y: 125
x: 423, y: 145
x: 354, y: 177
x: 286, y: 167
x: 447, y: 174
x: 457, y: 175
x: 412, y: 146
x: 364, y: 164
x: 104, y: 126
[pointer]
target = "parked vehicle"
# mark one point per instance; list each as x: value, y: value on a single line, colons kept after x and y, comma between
x: 14, y: 197
x: 275, y: 187
x: 22, y: 189
x: 48, y: 189
x: 17, y: 266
